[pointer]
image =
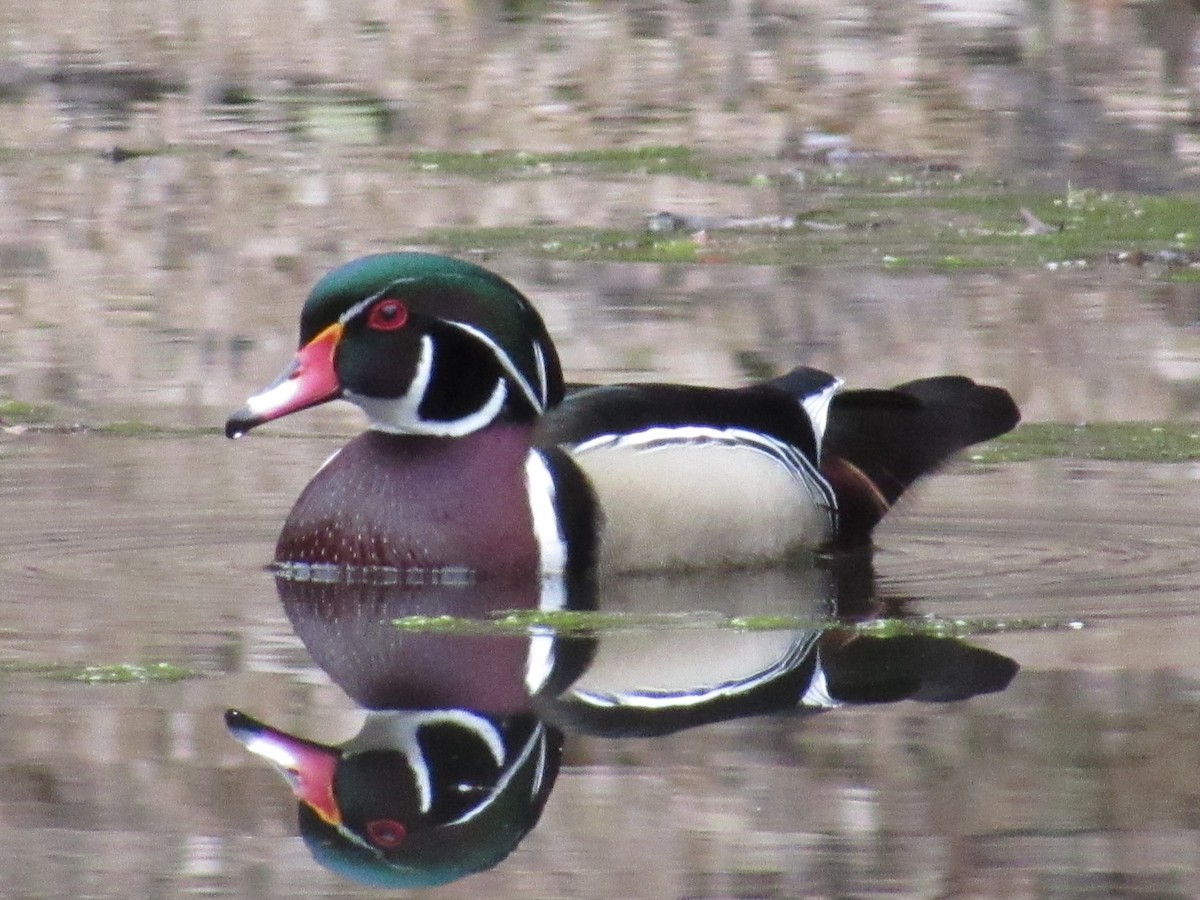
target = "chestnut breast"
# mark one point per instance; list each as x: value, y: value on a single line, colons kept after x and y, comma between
x: 419, y: 504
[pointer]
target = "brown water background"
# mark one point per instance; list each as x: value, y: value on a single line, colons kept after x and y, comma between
x: 164, y: 288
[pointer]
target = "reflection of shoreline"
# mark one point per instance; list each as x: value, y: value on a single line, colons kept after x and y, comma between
x: 182, y: 261
x: 1088, y: 345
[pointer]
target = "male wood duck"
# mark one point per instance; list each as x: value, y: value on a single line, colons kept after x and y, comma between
x: 419, y: 797
x: 477, y: 463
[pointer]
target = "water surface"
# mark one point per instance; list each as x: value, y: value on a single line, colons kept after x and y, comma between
x: 173, y: 181
x: 1058, y: 780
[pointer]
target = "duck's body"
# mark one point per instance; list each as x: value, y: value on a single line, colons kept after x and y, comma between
x: 475, y: 461
x: 687, y: 477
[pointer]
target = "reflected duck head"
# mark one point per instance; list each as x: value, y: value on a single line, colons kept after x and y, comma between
x: 418, y: 798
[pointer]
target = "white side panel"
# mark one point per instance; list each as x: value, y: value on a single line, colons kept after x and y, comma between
x: 693, y: 497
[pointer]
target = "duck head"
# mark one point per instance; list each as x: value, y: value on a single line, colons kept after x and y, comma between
x: 423, y: 344
x: 419, y: 797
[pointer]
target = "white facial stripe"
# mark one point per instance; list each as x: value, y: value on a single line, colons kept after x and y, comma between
x: 539, y: 483
x: 536, y: 742
x: 396, y: 416
x: 401, y: 415
x: 388, y: 731
x: 392, y: 413
x: 506, y: 364
x: 361, y: 305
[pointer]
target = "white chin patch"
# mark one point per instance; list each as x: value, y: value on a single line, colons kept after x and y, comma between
x: 401, y: 415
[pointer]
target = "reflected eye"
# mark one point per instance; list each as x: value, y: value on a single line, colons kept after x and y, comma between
x: 386, y: 833
x: 387, y: 315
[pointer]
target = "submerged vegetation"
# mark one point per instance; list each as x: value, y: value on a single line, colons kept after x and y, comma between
x: 574, y: 622
x: 495, y: 164
x: 101, y: 673
x: 15, y: 412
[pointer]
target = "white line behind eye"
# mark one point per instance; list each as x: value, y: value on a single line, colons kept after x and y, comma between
x: 358, y: 308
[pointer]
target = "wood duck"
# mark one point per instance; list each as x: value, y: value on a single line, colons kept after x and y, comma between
x: 479, y: 463
x: 419, y: 797
x: 464, y: 732
x: 644, y: 667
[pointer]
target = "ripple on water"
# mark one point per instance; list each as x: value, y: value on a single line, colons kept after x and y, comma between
x: 1037, y: 538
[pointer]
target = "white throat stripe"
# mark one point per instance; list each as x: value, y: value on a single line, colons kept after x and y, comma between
x: 401, y: 415
x: 534, y: 397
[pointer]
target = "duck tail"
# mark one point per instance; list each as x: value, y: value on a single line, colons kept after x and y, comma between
x: 878, y: 442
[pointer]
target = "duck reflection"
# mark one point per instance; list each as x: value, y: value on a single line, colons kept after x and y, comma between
x: 463, y: 735
x: 418, y: 797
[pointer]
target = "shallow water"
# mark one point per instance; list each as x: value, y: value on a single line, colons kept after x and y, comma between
x: 173, y: 180
x: 1078, y: 778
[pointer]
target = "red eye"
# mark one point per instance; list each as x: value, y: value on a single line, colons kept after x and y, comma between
x: 387, y: 315
x: 386, y: 833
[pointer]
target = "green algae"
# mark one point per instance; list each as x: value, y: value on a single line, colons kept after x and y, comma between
x: 942, y: 226
x: 16, y: 412
x: 102, y: 673
x: 941, y: 627
x: 1167, y: 442
x: 492, y: 164
x: 150, y: 429
x: 564, y: 622
x: 577, y: 623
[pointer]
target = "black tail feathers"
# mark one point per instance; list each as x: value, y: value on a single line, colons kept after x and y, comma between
x: 893, y: 437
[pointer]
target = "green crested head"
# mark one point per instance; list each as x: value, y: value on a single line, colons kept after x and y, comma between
x: 424, y: 344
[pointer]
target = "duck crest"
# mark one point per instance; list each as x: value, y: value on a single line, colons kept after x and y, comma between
x: 467, y: 321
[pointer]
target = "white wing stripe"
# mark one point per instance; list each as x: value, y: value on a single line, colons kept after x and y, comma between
x: 817, y: 407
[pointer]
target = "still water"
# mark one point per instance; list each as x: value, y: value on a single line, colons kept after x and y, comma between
x: 1078, y: 778
x: 1050, y: 752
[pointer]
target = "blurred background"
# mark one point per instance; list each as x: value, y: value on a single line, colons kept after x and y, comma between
x: 173, y: 178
